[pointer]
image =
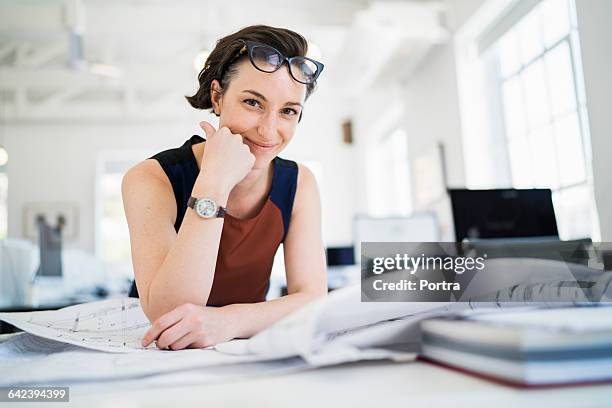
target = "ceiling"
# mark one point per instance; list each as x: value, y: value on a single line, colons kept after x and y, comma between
x: 115, y: 59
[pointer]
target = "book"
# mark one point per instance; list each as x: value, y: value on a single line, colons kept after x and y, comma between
x: 529, y: 348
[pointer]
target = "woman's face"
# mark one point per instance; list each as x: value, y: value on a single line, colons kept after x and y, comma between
x: 262, y: 107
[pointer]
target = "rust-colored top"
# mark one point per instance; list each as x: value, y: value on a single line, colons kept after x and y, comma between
x: 248, y: 246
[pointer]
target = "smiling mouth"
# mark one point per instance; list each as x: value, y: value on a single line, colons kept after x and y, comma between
x: 260, y: 146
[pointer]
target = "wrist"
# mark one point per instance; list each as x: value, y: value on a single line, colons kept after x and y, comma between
x: 236, y: 321
x: 205, y: 187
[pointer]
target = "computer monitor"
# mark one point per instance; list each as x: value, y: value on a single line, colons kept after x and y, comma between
x: 340, y: 256
x: 421, y: 227
x: 503, y: 213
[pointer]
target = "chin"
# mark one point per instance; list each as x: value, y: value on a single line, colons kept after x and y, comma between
x: 263, y: 159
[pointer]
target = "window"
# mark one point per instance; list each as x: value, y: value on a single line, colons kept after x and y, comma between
x: 535, y: 67
x: 3, y: 203
x: 390, y: 176
x: 112, y: 233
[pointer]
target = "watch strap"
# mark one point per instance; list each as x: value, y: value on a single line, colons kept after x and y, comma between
x: 191, y: 202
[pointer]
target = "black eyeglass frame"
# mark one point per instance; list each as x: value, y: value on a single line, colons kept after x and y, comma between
x: 249, y: 46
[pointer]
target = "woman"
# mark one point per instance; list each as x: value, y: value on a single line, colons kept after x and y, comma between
x: 206, y: 218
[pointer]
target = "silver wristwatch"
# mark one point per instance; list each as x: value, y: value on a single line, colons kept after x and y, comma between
x: 206, y: 208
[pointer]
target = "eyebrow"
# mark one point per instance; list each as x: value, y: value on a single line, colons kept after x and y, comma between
x: 257, y: 94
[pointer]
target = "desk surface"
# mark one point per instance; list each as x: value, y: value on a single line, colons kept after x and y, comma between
x: 362, y: 384
x: 354, y: 385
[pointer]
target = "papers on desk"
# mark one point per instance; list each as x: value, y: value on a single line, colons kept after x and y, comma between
x: 341, y: 327
x: 114, y: 325
x: 118, y: 325
x: 29, y: 359
x: 72, y: 344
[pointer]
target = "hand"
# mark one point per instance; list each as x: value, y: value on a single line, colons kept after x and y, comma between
x: 191, y: 326
x: 225, y: 157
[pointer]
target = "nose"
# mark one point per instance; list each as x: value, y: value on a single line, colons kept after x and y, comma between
x: 267, y: 127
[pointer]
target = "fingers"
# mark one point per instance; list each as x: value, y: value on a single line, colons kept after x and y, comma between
x: 208, y: 128
x: 193, y: 340
x: 171, y: 335
x: 161, y: 324
x: 184, y: 342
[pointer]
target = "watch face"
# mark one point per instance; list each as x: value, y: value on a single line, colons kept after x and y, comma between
x: 206, y: 208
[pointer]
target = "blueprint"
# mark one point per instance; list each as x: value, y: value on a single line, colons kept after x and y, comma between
x: 118, y: 325
x: 114, y: 325
x: 72, y: 345
x: 26, y: 359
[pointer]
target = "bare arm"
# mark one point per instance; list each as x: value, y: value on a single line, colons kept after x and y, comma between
x: 172, y: 269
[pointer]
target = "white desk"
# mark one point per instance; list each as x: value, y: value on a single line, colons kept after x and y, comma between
x: 366, y: 384
x: 355, y: 385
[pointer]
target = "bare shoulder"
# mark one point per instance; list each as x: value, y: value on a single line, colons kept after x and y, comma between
x: 307, y: 191
x: 304, y: 234
x: 305, y: 176
x: 146, y: 182
x: 147, y: 170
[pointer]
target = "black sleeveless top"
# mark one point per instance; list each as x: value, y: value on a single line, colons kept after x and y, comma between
x: 247, y: 246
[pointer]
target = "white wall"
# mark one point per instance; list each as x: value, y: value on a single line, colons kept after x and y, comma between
x: 319, y: 138
x: 430, y: 113
x: 595, y: 30
x: 432, y: 117
x: 57, y: 162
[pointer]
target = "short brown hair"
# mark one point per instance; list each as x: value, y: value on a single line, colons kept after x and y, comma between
x: 222, y: 62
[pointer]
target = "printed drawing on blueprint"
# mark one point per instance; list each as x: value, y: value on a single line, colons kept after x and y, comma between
x: 115, y: 325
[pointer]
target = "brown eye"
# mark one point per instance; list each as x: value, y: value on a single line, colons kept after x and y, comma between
x: 289, y: 111
x: 252, y: 102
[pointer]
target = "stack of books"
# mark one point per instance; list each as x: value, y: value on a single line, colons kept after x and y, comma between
x: 527, y: 348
